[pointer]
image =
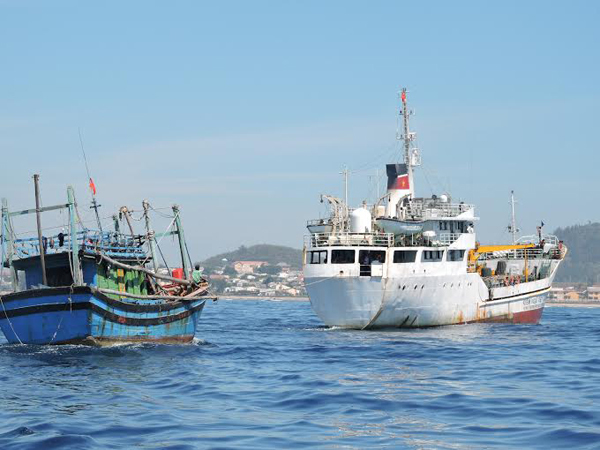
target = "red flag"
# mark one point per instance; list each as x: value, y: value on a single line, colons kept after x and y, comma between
x: 92, y: 186
x: 403, y: 97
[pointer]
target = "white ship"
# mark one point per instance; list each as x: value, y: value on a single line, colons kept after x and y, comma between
x: 416, y: 262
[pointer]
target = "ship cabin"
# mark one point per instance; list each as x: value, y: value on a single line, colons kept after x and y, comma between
x: 59, y: 263
x: 429, y: 235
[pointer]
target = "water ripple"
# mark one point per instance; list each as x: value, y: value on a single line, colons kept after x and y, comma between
x: 269, y: 375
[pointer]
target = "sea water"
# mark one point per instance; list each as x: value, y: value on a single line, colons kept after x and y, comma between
x: 265, y: 374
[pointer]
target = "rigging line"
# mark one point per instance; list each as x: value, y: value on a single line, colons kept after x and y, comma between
x: 426, y: 178
x: 55, y: 227
x: 166, y: 216
x: 87, y: 169
x: 77, y: 212
x: 374, y: 162
x: 163, y: 257
x: 188, y: 255
x: 161, y: 238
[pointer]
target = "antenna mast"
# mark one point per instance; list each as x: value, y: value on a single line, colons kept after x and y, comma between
x: 412, y: 157
x: 512, y: 228
x: 345, y: 174
x: 95, y: 204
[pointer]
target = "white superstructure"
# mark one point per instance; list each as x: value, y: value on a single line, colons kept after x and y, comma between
x: 415, y: 262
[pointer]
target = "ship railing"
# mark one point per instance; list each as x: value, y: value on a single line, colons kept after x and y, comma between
x: 535, y: 239
x: 418, y: 240
x: 349, y: 239
x: 110, y: 243
x: 448, y: 238
x: 529, y: 253
x: 312, y: 222
x: 436, y: 210
x: 505, y: 280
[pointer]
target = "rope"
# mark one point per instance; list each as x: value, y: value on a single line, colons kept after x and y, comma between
x: 163, y: 257
x: 166, y: 216
x: 320, y: 281
x: 158, y: 243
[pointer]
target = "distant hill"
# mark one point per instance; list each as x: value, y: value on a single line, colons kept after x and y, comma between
x: 273, y: 254
x: 582, y: 264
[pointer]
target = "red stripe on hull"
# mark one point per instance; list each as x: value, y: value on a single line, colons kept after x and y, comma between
x: 532, y: 317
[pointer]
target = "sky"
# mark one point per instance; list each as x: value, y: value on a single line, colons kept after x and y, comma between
x: 243, y: 113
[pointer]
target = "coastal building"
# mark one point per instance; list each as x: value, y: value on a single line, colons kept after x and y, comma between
x: 593, y: 292
x: 242, y: 267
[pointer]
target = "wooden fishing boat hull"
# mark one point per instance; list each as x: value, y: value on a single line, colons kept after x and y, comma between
x: 83, y: 315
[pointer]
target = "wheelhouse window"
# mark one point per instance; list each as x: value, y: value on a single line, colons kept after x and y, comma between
x: 405, y: 256
x: 367, y: 257
x: 432, y: 255
x: 318, y: 257
x: 343, y: 256
x: 456, y: 255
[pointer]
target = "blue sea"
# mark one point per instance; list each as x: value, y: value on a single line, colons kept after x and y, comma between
x: 264, y: 374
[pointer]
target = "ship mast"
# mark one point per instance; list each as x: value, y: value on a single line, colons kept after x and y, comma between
x: 345, y: 173
x: 411, y: 153
x: 512, y: 228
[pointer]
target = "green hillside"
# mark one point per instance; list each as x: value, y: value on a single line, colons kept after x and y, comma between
x: 582, y: 264
x: 273, y: 254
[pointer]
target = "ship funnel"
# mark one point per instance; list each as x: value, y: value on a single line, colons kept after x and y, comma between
x: 398, y: 186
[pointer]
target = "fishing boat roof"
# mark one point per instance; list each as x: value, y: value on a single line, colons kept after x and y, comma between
x: 117, y: 246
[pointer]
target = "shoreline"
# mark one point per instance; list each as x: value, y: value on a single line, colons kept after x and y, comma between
x: 583, y: 304
x: 263, y: 297
x: 588, y: 304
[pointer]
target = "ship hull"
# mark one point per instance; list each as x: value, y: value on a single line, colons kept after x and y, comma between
x: 371, y: 302
x: 82, y: 315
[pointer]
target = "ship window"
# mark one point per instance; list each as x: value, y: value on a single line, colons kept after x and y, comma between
x: 405, y: 256
x: 433, y: 255
x: 367, y: 257
x: 456, y: 255
x: 343, y: 256
x: 318, y: 257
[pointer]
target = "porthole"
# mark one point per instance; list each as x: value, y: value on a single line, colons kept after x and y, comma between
x: 416, y: 286
x: 422, y: 286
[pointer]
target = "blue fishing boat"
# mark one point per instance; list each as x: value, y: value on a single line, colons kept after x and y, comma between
x: 96, y: 287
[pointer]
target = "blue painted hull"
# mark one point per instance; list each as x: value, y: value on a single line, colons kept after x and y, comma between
x: 84, y: 315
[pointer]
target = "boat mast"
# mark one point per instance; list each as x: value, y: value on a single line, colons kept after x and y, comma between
x: 150, y: 234
x: 513, y: 222
x: 182, y: 246
x: 345, y: 174
x: 411, y: 153
x: 77, y: 278
x: 116, y: 223
x: 124, y: 212
x: 38, y: 218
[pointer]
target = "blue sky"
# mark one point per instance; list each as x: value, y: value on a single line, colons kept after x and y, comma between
x: 244, y: 112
